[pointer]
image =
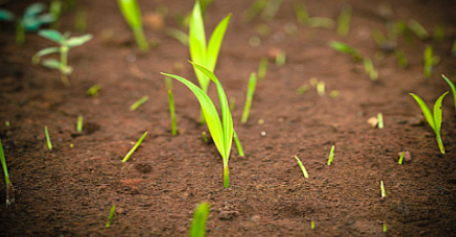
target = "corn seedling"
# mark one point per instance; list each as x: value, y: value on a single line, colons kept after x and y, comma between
x: 198, y: 227
x: 401, y: 60
x: 405, y: 30
x: 139, y: 102
x: 344, y: 48
x: 281, y: 58
x: 56, y: 10
x: 255, y: 9
x: 302, y: 16
x: 302, y: 89
x: 382, y: 189
x: 434, y: 119
x: 439, y: 33
x: 130, y: 153
x: 65, y: 44
x: 48, y: 139
x: 271, y: 9
x: 453, y: 89
x: 262, y: 68
x: 238, y: 144
x: 380, y: 120
x: 172, y: 112
x: 344, y: 20
x: 7, y: 124
x: 9, y: 186
x: 132, y: 14
x: 303, y: 169
x: 312, y: 224
x: 321, y: 88
x: 80, y: 23
x: 419, y: 30
x: 401, y: 158
x: 331, y: 155
x: 178, y: 35
x: 111, y: 216
x: 204, y: 136
x: 428, y: 61
x: 385, y: 229
x: 321, y: 22
x: 221, y: 130
x: 249, y: 98
x: 93, y: 90
x: 80, y: 124
x: 370, y: 70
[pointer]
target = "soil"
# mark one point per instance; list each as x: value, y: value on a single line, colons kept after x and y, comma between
x: 69, y: 191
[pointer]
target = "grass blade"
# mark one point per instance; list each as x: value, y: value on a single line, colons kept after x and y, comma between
x: 331, y: 155
x: 197, y: 43
x: 382, y: 188
x: 262, y: 68
x: 48, y: 139
x: 130, y: 153
x: 344, y: 20
x: 172, y: 112
x: 428, y: 62
x: 238, y: 145
x: 303, y: 169
x: 111, y: 216
x: 132, y: 14
x: 9, y: 186
x: 138, y: 103
x: 80, y: 124
x: 453, y: 89
x: 215, y: 42
x: 401, y: 158
x: 344, y: 48
x: 198, y: 227
x: 249, y: 98
x: 426, y: 111
x: 380, y: 120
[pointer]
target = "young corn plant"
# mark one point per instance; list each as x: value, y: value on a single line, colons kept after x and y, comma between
x: 382, y: 189
x: 303, y: 169
x: 428, y: 62
x: 172, y: 109
x: 249, y: 98
x: 262, y: 68
x: 132, y: 150
x: 132, y: 14
x: 222, y: 131
x: 48, y: 138
x: 65, y: 44
x: 9, y: 186
x: 139, y: 102
x: 401, y: 158
x: 331, y: 156
x: 80, y: 124
x: 453, y: 89
x: 344, y: 20
x: 434, y: 119
x: 370, y: 70
x: 198, y: 227
x: 344, y: 48
x: 111, y: 216
x: 419, y: 30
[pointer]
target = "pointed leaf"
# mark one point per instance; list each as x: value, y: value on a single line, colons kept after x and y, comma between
x: 34, y: 23
x: 215, y: 42
x: 76, y: 41
x: 438, y: 113
x: 44, y: 52
x: 34, y: 9
x: 131, y: 12
x: 6, y: 15
x: 52, y: 35
x: 51, y: 63
x: 426, y: 111
x: 453, y: 88
x: 197, y: 43
x: 198, y: 227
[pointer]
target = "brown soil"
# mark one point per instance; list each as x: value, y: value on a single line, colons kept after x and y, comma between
x: 70, y: 191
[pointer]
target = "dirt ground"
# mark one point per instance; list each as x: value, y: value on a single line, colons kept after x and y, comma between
x: 69, y: 191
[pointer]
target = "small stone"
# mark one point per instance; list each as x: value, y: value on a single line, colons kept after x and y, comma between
x: 154, y: 21
x: 373, y: 122
x: 255, y: 218
x: 416, y: 121
x: 263, y: 133
x: 228, y: 215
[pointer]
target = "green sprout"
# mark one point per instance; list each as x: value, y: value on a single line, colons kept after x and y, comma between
x: 80, y: 124
x: 334, y: 93
x: 132, y: 14
x: 48, y: 139
x: 380, y: 120
x: 439, y: 33
x: 281, y: 58
x: 139, y: 102
x: 271, y: 9
x: 93, y: 90
x: 382, y: 189
x: 401, y: 158
x: 405, y: 30
x: 344, y: 48
x: 303, y: 169
x: 221, y: 130
x: 172, y: 112
x: 344, y: 20
x: 9, y: 186
x: 331, y: 155
x: 249, y: 98
x: 453, y: 89
x: 238, y: 144
x: 321, y: 88
x: 302, y: 16
x: 428, y: 61
x: 262, y: 68
x: 385, y: 229
x: 80, y: 23
x: 434, y: 119
x: 419, y: 30
x: 178, y: 35
x: 204, y: 136
x: 302, y: 89
x: 255, y: 9
x: 31, y: 21
x: 133, y: 149
x: 370, y: 70
x: 111, y: 216
x: 401, y: 60
x: 312, y: 224
x: 56, y: 10
x: 66, y: 43
x: 198, y: 227
x: 7, y: 124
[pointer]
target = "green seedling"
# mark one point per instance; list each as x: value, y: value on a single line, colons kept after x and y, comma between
x: 7, y: 124
x: 321, y: 22
x: 434, y: 119
x: 334, y: 94
x: 56, y: 11
x: 80, y: 124
x: 139, y: 102
x: 221, y: 130
x: 281, y: 58
x: 405, y: 30
x: 321, y: 88
x: 302, y: 15
x: 453, y: 89
x: 419, y: 30
x: 429, y: 61
x: 178, y: 35
x: 344, y: 48
x: 232, y: 104
x: 312, y: 224
x: 204, y: 136
x: 401, y: 60
x: 132, y: 14
x: 370, y: 70
x: 380, y: 121
x: 382, y: 189
x: 401, y: 158
x: 385, y: 229
x: 302, y: 90
x: 93, y: 90
x: 238, y: 145
x: 198, y: 227
x: 303, y: 169
x: 9, y: 186
x: 130, y: 153
x: 172, y: 112
x: 378, y: 37
x: 65, y: 44
x: 344, y: 20
x: 262, y: 68
x: 31, y: 21
x: 439, y: 33
x: 263, y: 29
x: 80, y: 23
x: 111, y: 216
x: 48, y: 139
x: 255, y: 9
x: 331, y: 155
x: 271, y: 9
x: 249, y: 98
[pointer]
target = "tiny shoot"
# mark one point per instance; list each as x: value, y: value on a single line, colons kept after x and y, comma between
x: 331, y: 155
x: 385, y: 229
x: 321, y: 88
x: 281, y: 59
x: 401, y: 59
x: 344, y: 20
x: 453, y: 89
x: 238, y: 145
x: 139, y: 102
x: 80, y: 23
x: 93, y: 90
x: 370, y: 70
x: 205, y: 138
x: 48, y: 139
x: 111, y: 216
x: 198, y: 227
x: 439, y: 33
x: 401, y: 158
x: 271, y: 9
x: 419, y: 30
x: 344, y: 48
x: 80, y: 124
x: 428, y: 61
x: 262, y: 68
x: 312, y: 224
x: 131, y: 12
x: 303, y: 169
x: 382, y: 189
x: 380, y: 121
x: 130, y: 153
x: 172, y: 112
x: 9, y: 186
x: 302, y: 16
x: 249, y: 98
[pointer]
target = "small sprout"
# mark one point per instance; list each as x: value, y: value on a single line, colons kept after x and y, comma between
x: 303, y: 89
x: 370, y: 70
x: 93, y: 90
x: 331, y: 155
x: 321, y: 88
x: 401, y: 60
x: 178, y: 35
x: 255, y: 9
x: 232, y: 104
x: 344, y: 20
x: 405, y: 30
x: 312, y: 224
x: 80, y: 23
x: 262, y: 68
x: 379, y: 38
x: 380, y: 120
x: 263, y: 29
x: 111, y: 216
x: 334, y: 94
x: 249, y: 98
x: 48, y: 139
x: 428, y: 61
x: 434, y: 119
x: 302, y: 16
x: 419, y: 30
x: 130, y: 153
x: 80, y: 124
x: 271, y: 9
x: 204, y: 136
x: 439, y: 33
x: 172, y: 112
x: 382, y: 188
x: 132, y: 14
x: 139, y: 102
x: 453, y: 89
x: 344, y: 48
x: 9, y: 186
x: 321, y: 22
x: 198, y: 227
x: 55, y: 10
x: 7, y: 124
x: 401, y: 158
x: 303, y: 169
x: 281, y: 58
x: 238, y: 144
x: 385, y: 229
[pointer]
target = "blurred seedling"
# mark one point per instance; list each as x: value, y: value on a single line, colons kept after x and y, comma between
x: 56, y: 10
x: 344, y: 48
x: 271, y: 9
x: 7, y: 124
x: 418, y: 29
x: 380, y: 121
x: 385, y: 228
x: 401, y: 59
x: 249, y: 98
x: 198, y: 227
x: 439, y: 33
x: 331, y: 155
x: 370, y: 70
x: 344, y: 20
x: 204, y: 137
x: 132, y: 14
x: 177, y: 35
x: 382, y: 190
x: 302, y: 15
x: 9, y: 186
x: 312, y: 224
x: 401, y: 158
x: 255, y: 9
x: 93, y: 90
x: 111, y: 216
x: 80, y: 124
x: 65, y: 44
x: 334, y: 94
x: 31, y: 21
x: 405, y: 30
x: 267, y: 8
x: 453, y: 89
x: 303, y: 18
x: 429, y: 61
x: 303, y: 169
x: 133, y: 149
x: 172, y: 109
x: 80, y: 23
x: 139, y: 102
x: 48, y: 139
x: 302, y: 89
x: 434, y: 119
x: 281, y: 58
x: 321, y: 88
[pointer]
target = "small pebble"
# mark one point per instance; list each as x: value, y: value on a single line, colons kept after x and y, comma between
x: 263, y: 134
x: 373, y: 122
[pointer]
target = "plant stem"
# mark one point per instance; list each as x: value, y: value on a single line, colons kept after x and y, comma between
x: 48, y: 139
x: 111, y: 216
x: 130, y: 153
x: 80, y: 124
x: 226, y: 176
x: 63, y: 65
x: 172, y: 111
x: 20, y: 33
x: 5, y: 168
x: 141, y: 39
x: 440, y: 143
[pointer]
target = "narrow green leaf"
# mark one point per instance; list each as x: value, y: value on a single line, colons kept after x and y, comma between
x: 198, y: 227
x: 178, y: 35
x: 419, y: 30
x: 138, y: 103
x: 111, y: 216
x: 215, y: 42
x: 249, y: 97
x: 48, y: 138
x: 80, y: 124
x: 438, y: 113
x: 4, y: 166
x: 331, y: 155
x: 453, y: 89
x: 344, y: 48
x: 382, y: 189
x: 80, y: 40
x: 426, y: 111
x: 34, y: 9
x: 43, y: 52
x: 51, y: 63
x: 131, y: 12
x: 197, y: 43
x: 52, y: 35
x: 303, y: 169
x: 132, y: 150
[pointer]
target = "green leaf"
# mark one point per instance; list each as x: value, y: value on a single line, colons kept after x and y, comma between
x: 197, y: 43
x: 52, y: 35
x: 453, y: 89
x: 215, y: 42
x: 44, y: 52
x: 198, y: 227
x: 426, y: 111
x: 34, y: 9
x: 343, y: 48
x: 438, y: 113
x: 80, y: 40
x: 131, y: 12
x: 51, y: 63
x: 34, y: 23
x: 6, y: 15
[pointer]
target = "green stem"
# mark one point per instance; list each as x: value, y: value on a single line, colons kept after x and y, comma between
x: 238, y: 144
x: 226, y: 176
x: 172, y: 111
x: 5, y: 168
x: 63, y: 65
x: 20, y: 33
x: 141, y: 39
x: 440, y: 143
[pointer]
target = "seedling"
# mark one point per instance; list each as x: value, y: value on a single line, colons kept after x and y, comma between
x: 385, y: 229
x: 380, y: 120
x: 401, y: 158
x: 370, y: 70
x: 172, y: 112
x: 401, y: 60
x: 93, y: 90
x: 382, y: 189
x: 221, y: 130
x: 238, y: 145
x: 9, y: 186
x: 344, y: 48
x: 204, y: 136
x: 453, y: 89
x: 139, y: 102
x: 262, y: 68
x: 302, y: 16
x: 111, y: 216
x: 255, y: 9
x: 65, y: 44
x: 7, y: 124
x: 312, y: 224
x: 48, y: 139
x: 302, y: 90
x: 344, y: 20
x: 178, y: 35
x: 80, y: 124
x: 434, y: 119
x: 130, y: 153
x: 271, y: 9
x: 405, y: 31
x: 419, y: 30
x: 334, y: 93
x: 439, y: 33
x: 331, y: 155
x: 80, y: 23
x: 249, y: 98
x: 198, y: 227
x: 428, y: 61
x: 132, y: 14
x: 281, y: 58
x: 303, y: 169
x: 321, y: 88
